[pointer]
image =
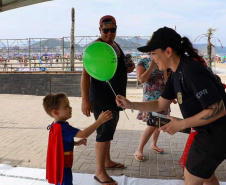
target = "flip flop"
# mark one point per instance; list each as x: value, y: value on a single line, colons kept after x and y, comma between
x: 157, y: 151
x: 139, y: 157
x: 104, y: 182
x: 117, y: 166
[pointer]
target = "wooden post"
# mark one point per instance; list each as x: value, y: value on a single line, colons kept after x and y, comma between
x: 29, y: 55
x: 63, y: 52
x: 72, y: 39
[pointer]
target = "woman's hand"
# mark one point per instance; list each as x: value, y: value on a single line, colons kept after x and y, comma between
x: 121, y: 101
x: 173, y: 126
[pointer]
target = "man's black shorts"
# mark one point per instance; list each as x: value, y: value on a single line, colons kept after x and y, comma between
x: 207, y: 151
x: 106, y: 131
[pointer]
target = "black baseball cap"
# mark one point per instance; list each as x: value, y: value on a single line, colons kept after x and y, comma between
x: 162, y: 38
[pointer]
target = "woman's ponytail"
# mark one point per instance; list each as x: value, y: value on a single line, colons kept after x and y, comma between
x: 187, y: 47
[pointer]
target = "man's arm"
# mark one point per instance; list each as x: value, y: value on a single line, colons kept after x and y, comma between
x: 130, y: 69
x: 86, y: 106
x: 130, y: 65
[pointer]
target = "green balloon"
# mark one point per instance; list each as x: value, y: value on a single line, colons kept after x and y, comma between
x: 100, y: 61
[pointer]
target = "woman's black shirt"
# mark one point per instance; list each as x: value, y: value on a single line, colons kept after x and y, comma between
x: 195, y: 87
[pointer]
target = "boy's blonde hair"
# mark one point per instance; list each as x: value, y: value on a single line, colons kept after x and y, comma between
x: 52, y: 101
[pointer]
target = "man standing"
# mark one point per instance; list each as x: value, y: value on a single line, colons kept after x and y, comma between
x: 97, y: 96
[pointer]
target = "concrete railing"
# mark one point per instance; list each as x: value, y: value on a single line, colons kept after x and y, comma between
x: 40, y: 84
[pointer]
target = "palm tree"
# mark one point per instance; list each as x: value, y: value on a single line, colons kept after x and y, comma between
x: 209, y: 36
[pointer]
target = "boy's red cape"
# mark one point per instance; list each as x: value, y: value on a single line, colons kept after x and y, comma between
x: 55, y: 155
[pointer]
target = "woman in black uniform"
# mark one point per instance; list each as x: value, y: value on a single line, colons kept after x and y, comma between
x: 201, y: 98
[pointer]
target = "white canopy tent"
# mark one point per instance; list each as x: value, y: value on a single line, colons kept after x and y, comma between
x: 12, y: 4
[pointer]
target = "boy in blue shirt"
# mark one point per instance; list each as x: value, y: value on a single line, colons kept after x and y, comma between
x: 61, y: 138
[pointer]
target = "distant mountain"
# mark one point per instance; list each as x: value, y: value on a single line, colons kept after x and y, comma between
x: 52, y: 43
x: 219, y: 50
x: 129, y: 44
x: 141, y: 41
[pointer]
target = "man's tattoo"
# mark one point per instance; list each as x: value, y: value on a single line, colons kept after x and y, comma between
x: 214, y: 110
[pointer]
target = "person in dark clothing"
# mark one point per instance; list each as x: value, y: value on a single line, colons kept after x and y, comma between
x: 97, y: 96
x: 201, y: 97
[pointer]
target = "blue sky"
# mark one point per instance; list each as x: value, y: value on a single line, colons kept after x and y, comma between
x: 134, y: 18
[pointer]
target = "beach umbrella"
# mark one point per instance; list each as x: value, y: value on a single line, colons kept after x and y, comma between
x: 78, y: 54
x: 134, y: 55
x: 45, y: 55
x: 223, y: 59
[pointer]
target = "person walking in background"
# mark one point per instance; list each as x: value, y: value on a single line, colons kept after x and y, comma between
x: 153, y: 84
x: 97, y: 96
x: 201, y: 97
x: 61, y: 138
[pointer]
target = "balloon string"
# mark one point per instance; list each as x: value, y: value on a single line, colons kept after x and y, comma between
x: 115, y: 96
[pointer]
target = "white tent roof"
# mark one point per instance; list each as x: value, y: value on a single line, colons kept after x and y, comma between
x: 12, y: 4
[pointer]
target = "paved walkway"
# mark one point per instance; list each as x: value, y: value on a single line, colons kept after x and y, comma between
x: 24, y: 137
